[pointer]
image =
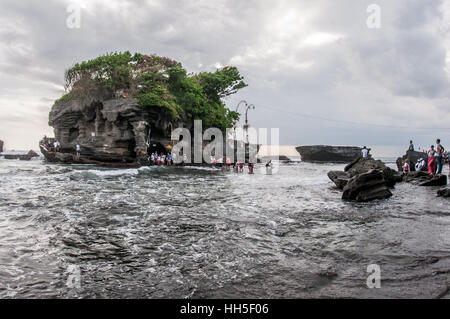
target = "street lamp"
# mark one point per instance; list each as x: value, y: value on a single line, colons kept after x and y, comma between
x: 237, y: 108
x: 246, y: 126
x: 249, y: 107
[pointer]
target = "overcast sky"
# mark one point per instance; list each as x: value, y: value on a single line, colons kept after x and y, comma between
x: 314, y: 68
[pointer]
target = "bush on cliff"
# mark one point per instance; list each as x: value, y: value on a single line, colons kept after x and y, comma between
x: 158, y: 82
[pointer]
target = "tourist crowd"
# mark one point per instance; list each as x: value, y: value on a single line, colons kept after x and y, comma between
x: 437, y: 156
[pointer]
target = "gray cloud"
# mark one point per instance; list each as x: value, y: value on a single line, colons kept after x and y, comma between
x: 312, y: 66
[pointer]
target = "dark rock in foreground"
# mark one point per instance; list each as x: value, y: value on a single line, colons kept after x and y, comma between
x: 328, y: 154
x: 339, y: 178
x: 367, y: 186
x: 365, y: 180
x: 444, y: 192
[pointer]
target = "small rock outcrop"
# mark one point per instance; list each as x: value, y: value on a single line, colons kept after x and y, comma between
x: 21, y: 156
x: 365, y: 180
x: 328, y: 154
x: 339, y: 178
x: 1, y: 146
x: 425, y: 179
x: 444, y: 192
x: 366, y: 187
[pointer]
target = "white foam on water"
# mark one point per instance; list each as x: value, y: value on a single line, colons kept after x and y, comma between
x: 202, y: 168
x: 116, y: 172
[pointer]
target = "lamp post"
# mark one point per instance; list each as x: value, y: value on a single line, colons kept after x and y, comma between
x: 249, y: 107
x: 246, y: 126
x: 235, y: 122
x: 237, y: 108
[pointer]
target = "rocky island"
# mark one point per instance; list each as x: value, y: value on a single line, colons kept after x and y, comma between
x: 328, y: 154
x: 120, y: 107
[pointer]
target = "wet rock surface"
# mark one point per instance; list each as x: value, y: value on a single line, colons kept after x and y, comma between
x: 425, y: 179
x: 366, y: 187
x: 365, y: 180
x: 339, y: 178
x: 444, y: 192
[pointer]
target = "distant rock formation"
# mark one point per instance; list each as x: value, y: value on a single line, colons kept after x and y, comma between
x: 365, y: 180
x: 1, y: 146
x: 23, y: 157
x: 328, y: 154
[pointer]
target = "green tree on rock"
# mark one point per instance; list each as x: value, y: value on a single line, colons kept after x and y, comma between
x: 158, y: 82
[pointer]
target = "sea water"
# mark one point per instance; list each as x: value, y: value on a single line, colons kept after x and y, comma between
x: 170, y: 232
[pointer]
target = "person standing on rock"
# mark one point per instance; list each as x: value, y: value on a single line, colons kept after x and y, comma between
x: 411, y: 146
x: 365, y: 152
x: 439, y: 153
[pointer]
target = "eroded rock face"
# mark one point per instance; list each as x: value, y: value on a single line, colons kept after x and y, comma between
x: 109, y: 131
x: 339, y: 178
x: 366, y: 187
x: 361, y: 166
x: 365, y: 180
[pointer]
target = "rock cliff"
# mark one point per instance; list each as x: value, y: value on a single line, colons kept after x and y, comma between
x: 109, y: 131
